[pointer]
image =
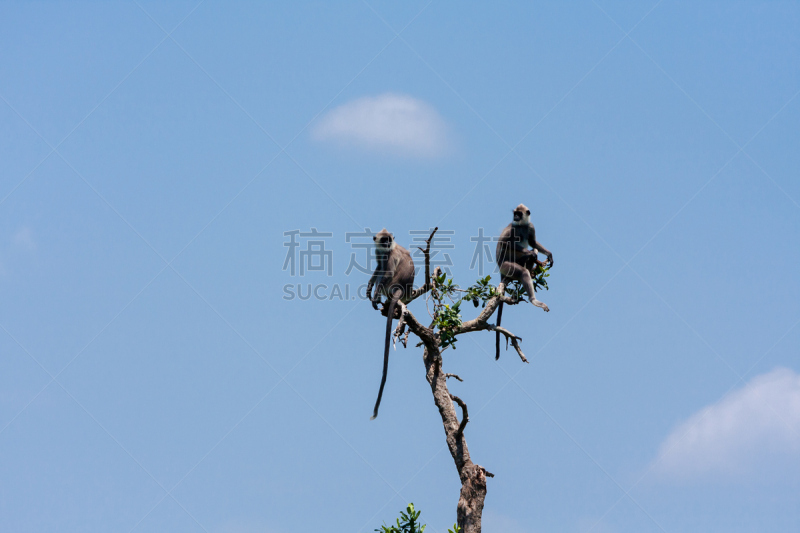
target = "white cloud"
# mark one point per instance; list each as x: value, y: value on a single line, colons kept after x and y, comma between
x: 753, y: 427
x: 394, y: 123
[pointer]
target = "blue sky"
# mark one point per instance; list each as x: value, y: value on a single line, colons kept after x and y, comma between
x: 154, y: 377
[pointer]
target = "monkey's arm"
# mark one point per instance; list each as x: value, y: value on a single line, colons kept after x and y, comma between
x: 537, y: 246
x: 546, y: 252
x: 372, y: 280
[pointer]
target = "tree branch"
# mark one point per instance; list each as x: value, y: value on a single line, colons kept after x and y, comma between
x: 464, y: 413
x: 428, y: 284
x: 513, y: 338
x: 426, y: 335
x: 481, y: 321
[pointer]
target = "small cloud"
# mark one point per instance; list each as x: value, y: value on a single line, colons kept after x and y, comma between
x: 750, y: 428
x: 393, y: 123
x: 23, y: 238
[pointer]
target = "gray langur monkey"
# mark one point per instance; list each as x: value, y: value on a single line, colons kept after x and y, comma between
x: 516, y: 261
x: 393, y: 278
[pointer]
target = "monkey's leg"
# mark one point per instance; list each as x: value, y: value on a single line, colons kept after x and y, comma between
x: 521, y: 274
x: 528, y: 282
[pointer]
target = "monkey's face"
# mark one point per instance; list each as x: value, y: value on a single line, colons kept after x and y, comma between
x: 522, y: 215
x: 383, y: 240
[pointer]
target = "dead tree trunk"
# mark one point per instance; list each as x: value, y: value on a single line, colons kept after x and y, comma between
x: 473, y: 477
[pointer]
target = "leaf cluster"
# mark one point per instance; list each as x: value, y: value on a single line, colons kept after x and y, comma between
x: 447, y: 317
x: 481, y: 291
x: 540, y: 274
x: 409, y: 523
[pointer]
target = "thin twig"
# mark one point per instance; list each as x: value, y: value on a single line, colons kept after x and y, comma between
x: 436, y: 273
x: 427, y: 285
x: 401, y: 326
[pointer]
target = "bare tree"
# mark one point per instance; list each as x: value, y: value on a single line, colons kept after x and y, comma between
x: 436, y: 338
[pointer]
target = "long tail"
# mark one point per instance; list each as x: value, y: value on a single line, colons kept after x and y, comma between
x: 497, y: 338
x: 389, y: 315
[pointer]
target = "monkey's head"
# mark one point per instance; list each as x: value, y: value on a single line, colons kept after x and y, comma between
x: 384, y: 241
x: 522, y: 215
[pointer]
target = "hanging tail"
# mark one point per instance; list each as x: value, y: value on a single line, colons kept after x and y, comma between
x: 497, y: 333
x: 389, y: 315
